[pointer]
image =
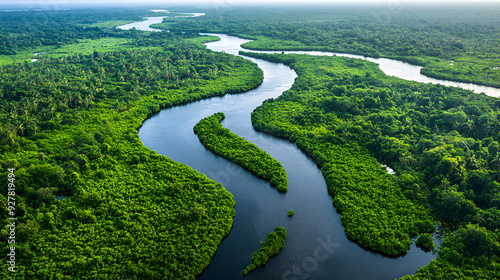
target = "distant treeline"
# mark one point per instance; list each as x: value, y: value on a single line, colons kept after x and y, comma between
x: 458, y: 43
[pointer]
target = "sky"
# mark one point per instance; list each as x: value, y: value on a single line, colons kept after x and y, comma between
x: 177, y: 2
x: 166, y: 4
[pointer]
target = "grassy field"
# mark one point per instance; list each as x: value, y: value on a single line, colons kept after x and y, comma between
x: 86, y: 46
x: 18, y: 58
x: 203, y: 39
x: 109, y: 24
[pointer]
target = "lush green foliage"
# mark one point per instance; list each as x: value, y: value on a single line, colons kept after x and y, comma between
x: 24, y: 30
x: 430, y: 36
x: 67, y: 124
x: 275, y: 241
x: 425, y: 241
x: 223, y: 142
x: 442, y: 142
x: 55, y: 33
x: 466, y: 69
x: 374, y: 210
x: 69, y: 127
x: 290, y: 213
x: 470, y: 253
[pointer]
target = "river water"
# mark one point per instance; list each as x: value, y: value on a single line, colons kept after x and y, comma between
x: 143, y: 25
x: 316, y: 246
x: 260, y: 208
x: 401, y: 70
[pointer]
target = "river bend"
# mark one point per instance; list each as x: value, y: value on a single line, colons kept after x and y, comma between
x: 316, y: 246
x: 260, y: 208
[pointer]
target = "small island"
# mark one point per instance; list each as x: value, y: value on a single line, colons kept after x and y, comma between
x: 425, y: 242
x: 223, y: 142
x: 290, y: 213
x: 275, y: 241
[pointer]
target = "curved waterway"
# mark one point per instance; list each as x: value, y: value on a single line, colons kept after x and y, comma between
x: 400, y: 69
x: 316, y: 246
x: 144, y: 25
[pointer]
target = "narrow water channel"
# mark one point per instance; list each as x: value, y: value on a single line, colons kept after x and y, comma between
x: 316, y: 246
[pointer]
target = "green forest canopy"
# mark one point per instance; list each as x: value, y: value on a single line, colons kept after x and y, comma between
x: 223, y: 142
x: 456, y: 42
x: 275, y: 241
x: 68, y: 126
x: 442, y: 141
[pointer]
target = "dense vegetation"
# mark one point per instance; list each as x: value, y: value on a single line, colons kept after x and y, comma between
x: 432, y: 36
x: 25, y: 30
x: 469, y: 253
x: 275, y: 241
x: 443, y: 143
x: 374, y: 210
x: 223, y: 142
x: 69, y: 127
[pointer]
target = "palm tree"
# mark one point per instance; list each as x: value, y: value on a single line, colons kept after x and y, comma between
x: 86, y: 102
x: 444, y: 181
x: 20, y: 128
x: 345, y: 134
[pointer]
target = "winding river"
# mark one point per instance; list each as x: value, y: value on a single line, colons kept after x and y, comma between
x: 316, y: 246
x: 144, y: 25
x: 400, y: 69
